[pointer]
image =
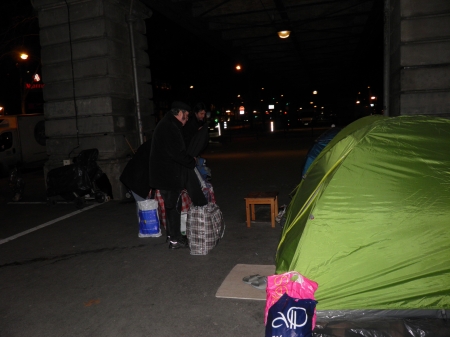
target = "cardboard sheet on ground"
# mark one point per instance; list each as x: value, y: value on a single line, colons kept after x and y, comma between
x: 234, y: 287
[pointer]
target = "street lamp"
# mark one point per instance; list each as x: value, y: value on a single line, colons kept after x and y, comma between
x: 18, y: 90
x: 373, y: 100
x: 23, y: 93
x: 284, y: 34
x: 28, y: 80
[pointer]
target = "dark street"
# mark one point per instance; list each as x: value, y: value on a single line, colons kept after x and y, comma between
x: 89, y: 274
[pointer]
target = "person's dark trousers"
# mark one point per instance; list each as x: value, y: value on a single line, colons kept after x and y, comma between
x: 172, y: 205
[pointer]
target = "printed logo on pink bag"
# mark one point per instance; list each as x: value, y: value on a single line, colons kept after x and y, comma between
x: 290, y: 320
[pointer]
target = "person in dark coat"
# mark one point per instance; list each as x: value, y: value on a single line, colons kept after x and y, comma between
x: 135, y: 174
x: 196, y: 138
x: 168, y: 167
x: 194, y: 124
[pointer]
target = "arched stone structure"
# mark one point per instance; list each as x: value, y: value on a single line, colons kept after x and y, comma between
x: 419, y: 56
x: 87, y: 66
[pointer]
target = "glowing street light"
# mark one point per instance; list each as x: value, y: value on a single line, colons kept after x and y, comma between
x: 24, y: 56
x: 284, y: 34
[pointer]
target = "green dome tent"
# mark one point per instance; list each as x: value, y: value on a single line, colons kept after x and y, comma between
x: 370, y: 223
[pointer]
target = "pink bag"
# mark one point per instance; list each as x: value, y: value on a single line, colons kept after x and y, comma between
x: 292, y: 283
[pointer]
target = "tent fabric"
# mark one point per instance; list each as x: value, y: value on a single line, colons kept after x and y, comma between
x: 318, y: 146
x: 371, y: 220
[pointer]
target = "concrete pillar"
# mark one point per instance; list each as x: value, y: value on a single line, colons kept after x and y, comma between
x: 88, y: 71
x: 420, y: 57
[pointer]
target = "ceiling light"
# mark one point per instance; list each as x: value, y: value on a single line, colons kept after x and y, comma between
x: 284, y: 34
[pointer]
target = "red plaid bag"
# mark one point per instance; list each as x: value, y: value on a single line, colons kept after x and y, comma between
x: 185, y: 204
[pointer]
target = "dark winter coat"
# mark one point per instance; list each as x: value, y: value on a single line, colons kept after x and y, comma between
x: 169, y: 161
x: 190, y: 128
x: 135, y: 174
x: 196, y: 139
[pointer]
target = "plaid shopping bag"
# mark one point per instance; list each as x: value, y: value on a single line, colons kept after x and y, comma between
x: 204, y: 228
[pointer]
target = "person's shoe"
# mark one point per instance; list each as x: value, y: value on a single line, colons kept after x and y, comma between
x: 260, y: 283
x: 251, y: 278
x: 177, y: 244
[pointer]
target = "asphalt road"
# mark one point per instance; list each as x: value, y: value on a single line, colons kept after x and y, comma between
x: 69, y: 273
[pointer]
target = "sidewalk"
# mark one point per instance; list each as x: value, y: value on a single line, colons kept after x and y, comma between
x: 90, y: 274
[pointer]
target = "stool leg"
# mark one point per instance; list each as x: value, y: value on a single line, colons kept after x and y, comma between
x: 276, y: 205
x: 252, y: 206
x: 272, y: 209
x: 276, y: 208
x: 247, y: 213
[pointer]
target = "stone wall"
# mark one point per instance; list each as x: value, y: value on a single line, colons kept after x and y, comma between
x: 89, y: 92
x: 420, y: 57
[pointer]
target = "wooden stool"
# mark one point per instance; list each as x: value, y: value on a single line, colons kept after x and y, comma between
x: 261, y: 198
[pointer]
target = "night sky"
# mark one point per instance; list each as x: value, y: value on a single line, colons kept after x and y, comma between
x: 19, y: 31
x: 176, y: 57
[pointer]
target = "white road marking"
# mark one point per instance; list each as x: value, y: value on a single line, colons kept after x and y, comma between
x: 47, y: 224
x: 26, y: 203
